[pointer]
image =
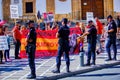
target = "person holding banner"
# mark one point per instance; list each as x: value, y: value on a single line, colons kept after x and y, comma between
x: 63, y: 35
x: 31, y: 48
x: 17, y: 39
x: 1, y: 53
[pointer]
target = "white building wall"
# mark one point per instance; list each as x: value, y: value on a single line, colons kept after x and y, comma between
x: 63, y: 7
x: 1, y: 13
x: 20, y: 10
x: 41, y: 6
x: 116, y: 5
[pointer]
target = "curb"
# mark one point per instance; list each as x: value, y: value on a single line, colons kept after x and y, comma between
x: 94, y: 68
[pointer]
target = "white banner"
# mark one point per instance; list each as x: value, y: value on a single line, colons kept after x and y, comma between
x: 3, y: 43
x: 14, y: 11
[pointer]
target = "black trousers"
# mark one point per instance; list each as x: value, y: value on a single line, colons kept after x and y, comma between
x: 31, y: 58
x: 1, y: 56
x: 17, y: 48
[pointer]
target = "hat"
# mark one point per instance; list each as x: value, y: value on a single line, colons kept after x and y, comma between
x: 29, y: 21
x: 65, y: 20
x: 90, y: 21
x: 18, y: 22
x: 110, y: 16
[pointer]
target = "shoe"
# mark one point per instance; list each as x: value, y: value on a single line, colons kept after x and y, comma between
x: 31, y: 76
x: 97, y: 52
x: 88, y: 64
x: 17, y: 57
x: 108, y: 59
x: 2, y: 63
x: 56, y: 71
x: 9, y: 60
x: 114, y: 59
x: 67, y: 69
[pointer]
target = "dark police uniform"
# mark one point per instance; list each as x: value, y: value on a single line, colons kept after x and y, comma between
x: 30, y: 49
x: 91, y: 38
x: 63, y: 46
x: 111, y: 39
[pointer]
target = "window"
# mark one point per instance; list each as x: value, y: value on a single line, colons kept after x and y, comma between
x: 29, y: 7
x: 16, y: 1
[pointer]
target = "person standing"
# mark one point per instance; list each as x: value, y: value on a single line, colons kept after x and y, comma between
x: 17, y: 39
x: 111, y: 38
x: 91, y: 39
x: 63, y: 35
x: 7, y: 52
x: 31, y: 48
x: 118, y: 24
x: 99, y: 28
x: 1, y: 52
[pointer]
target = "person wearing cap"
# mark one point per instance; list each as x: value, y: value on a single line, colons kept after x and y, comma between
x: 17, y: 39
x: 91, y: 39
x: 31, y: 48
x: 63, y: 36
x: 111, y: 38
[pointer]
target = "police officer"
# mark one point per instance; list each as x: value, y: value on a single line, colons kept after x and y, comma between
x: 91, y: 39
x: 30, y: 49
x: 63, y: 35
x: 111, y: 38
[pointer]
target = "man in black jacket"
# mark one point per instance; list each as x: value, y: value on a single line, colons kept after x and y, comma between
x: 30, y: 49
x: 63, y: 35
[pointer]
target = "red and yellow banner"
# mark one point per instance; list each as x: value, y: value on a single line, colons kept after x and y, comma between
x: 46, y: 44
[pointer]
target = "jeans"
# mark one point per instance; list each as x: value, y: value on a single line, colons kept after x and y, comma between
x: 61, y: 49
x: 31, y: 58
x: 6, y: 53
x: 98, y: 41
x: 17, y: 48
x: 91, y: 52
x: 111, y: 41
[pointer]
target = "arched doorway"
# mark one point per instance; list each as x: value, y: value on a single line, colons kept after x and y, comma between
x: 95, y: 6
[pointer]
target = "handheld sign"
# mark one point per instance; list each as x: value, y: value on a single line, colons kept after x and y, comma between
x: 14, y: 11
x: 3, y: 43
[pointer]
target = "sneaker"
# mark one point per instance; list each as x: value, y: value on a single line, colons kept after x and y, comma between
x: 9, y: 60
x: 55, y: 71
x: 31, y: 76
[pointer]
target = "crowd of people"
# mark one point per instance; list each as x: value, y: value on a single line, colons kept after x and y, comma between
x: 102, y: 34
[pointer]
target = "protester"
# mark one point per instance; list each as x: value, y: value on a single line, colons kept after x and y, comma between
x: 47, y: 26
x: 63, y: 35
x: 31, y: 48
x: 91, y: 39
x: 118, y: 24
x: 7, y: 52
x: 111, y: 38
x: 17, y: 39
x: 1, y: 52
x: 99, y: 28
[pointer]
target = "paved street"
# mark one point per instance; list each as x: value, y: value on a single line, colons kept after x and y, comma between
x: 112, y: 73
x: 19, y: 69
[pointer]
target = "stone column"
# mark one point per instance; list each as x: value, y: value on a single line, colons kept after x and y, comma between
x: 50, y: 6
x: 108, y: 8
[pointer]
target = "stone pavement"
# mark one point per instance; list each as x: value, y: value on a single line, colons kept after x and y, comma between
x: 19, y: 69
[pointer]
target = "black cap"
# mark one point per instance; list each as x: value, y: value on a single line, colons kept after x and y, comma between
x: 109, y: 17
x: 18, y: 22
x: 90, y: 21
x: 29, y: 21
x: 65, y: 20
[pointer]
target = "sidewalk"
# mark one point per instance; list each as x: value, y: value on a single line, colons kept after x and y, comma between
x: 19, y: 69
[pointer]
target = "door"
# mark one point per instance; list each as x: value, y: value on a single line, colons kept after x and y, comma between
x: 95, y: 6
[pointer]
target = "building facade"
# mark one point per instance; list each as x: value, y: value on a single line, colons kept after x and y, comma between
x: 72, y: 9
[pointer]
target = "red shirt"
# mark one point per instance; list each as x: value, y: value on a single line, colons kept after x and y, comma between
x: 99, y: 27
x: 17, y: 34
